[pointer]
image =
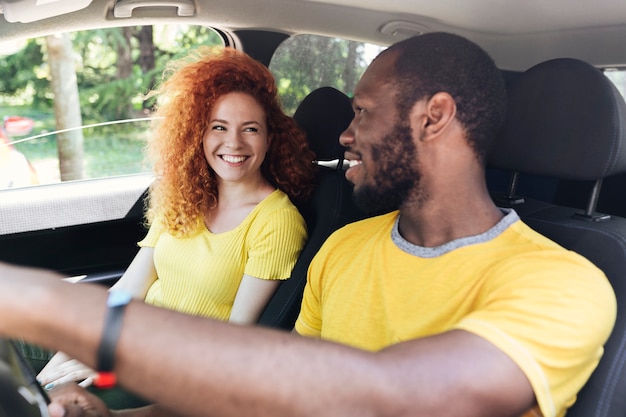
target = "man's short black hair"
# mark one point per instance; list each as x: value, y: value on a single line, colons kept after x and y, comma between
x: 444, y: 62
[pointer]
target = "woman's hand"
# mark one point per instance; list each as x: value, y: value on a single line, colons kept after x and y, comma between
x: 70, y: 400
x: 62, y: 369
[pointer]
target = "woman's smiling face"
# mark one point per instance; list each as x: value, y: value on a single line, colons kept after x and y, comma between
x: 236, y: 139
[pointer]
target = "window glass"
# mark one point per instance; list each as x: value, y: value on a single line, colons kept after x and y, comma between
x: 72, y: 105
x: 618, y: 77
x: 303, y: 63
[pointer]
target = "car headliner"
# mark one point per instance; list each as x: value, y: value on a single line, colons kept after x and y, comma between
x: 518, y: 34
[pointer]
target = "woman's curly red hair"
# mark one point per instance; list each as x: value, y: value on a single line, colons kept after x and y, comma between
x: 186, y: 187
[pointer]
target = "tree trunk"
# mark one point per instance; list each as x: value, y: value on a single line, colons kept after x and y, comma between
x: 146, y: 49
x: 66, y: 106
x: 124, y: 58
x: 349, y: 75
x: 147, y: 60
x: 328, y: 61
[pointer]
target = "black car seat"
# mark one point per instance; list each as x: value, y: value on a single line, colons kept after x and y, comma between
x: 534, y: 186
x: 323, y: 115
x: 565, y: 120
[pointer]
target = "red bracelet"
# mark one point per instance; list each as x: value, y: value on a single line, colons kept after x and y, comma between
x: 116, y: 304
x: 105, y: 380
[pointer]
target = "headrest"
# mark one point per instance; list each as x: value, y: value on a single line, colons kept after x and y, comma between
x: 565, y: 119
x: 324, y: 114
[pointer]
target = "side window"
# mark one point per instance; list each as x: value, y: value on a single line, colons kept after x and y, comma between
x: 72, y: 105
x: 303, y: 63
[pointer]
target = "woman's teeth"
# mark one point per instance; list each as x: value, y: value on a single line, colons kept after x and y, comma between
x: 233, y: 159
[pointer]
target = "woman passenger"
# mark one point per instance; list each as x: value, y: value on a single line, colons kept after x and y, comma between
x: 223, y: 231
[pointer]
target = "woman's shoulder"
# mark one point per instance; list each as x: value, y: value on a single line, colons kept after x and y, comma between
x: 276, y: 209
x: 275, y: 213
x: 275, y: 201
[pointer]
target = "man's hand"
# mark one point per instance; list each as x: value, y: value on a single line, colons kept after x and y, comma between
x: 70, y: 400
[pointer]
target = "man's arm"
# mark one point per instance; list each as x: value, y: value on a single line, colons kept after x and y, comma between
x: 218, y: 369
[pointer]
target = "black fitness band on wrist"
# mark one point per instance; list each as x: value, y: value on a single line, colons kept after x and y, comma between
x: 116, y: 304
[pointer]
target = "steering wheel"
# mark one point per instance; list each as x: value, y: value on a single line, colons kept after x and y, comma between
x: 20, y: 393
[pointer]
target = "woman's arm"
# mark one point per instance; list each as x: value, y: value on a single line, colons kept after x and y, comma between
x: 252, y: 297
x: 278, y: 240
x: 139, y: 275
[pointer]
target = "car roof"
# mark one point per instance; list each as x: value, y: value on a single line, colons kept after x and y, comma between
x: 518, y: 34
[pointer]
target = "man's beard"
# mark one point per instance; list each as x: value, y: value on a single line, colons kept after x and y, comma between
x: 395, y: 173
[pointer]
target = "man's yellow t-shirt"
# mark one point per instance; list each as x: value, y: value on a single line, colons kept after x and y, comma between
x: 549, y: 309
x: 200, y: 275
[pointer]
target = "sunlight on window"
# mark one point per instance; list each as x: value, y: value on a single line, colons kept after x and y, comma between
x: 618, y: 77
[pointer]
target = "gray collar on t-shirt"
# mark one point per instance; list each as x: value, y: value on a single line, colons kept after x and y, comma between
x: 423, y: 252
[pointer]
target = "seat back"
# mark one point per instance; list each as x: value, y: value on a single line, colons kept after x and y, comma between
x: 565, y: 120
x: 324, y: 114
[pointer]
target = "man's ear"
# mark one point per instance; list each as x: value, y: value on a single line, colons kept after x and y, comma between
x: 436, y: 114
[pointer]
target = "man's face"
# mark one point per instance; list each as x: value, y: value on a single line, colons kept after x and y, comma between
x: 380, y: 147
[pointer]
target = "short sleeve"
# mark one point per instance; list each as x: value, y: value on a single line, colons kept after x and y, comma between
x: 275, y: 244
x: 552, y: 319
x: 154, y: 232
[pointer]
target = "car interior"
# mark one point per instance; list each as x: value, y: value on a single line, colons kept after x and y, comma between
x: 559, y: 161
x: 323, y: 114
x: 20, y: 393
x: 565, y: 122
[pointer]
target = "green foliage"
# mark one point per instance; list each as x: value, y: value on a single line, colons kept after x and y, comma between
x: 116, y: 98
x: 17, y: 70
x: 104, y: 94
x: 191, y: 37
x: 306, y: 62
x: 117, y: 154
x: 19, y: 74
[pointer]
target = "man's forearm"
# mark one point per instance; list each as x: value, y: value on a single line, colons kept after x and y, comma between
x: 216, y: 369
x: 202, y: 367
x: 196, y: 366
x: 146, y: 411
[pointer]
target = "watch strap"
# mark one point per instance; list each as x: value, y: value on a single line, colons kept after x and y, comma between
x: 116, y: 305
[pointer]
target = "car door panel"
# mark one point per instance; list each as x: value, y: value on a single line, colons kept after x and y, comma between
x: 86, y: 228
